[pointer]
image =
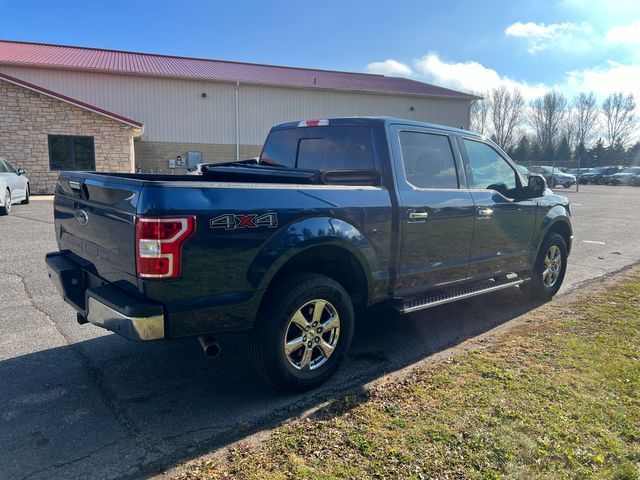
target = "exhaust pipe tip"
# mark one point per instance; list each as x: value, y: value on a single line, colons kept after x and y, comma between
x: 210, y: 347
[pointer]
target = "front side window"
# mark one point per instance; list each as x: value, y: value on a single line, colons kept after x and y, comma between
x: 428, y: 160
x: 3, y: 167
x: 67, y: 152
x: 489, y: 170
x: 320, y: 148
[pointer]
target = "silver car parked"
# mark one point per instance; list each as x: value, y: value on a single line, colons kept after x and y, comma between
x: 14, y: 186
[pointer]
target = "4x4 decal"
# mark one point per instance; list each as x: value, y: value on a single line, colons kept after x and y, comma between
x: 232, y: 221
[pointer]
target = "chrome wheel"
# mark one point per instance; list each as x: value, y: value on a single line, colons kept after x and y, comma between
x: 552, y: 266
x: 312, y: 335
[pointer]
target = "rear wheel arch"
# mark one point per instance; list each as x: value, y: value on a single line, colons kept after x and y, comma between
x: 333, y: 261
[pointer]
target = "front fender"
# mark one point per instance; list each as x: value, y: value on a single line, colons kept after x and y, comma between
x: 310, y: 233
x: 556, y: 215
x: 3, y: 187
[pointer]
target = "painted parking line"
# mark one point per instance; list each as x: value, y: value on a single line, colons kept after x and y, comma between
x: 593, y: 241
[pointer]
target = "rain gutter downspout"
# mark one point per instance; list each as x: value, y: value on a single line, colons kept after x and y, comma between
x: 237, y: 122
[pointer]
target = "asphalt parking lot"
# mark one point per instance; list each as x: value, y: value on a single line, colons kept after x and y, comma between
x: 78, y: 402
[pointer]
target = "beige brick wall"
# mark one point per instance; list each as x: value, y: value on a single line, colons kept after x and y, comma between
x: 26, y: 120
x: 154, y: 156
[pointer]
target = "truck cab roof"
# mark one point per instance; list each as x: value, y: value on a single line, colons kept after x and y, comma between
x: 370, y: 120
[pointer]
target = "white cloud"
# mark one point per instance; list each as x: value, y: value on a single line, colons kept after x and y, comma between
x: 603, y: 81
x: 470, y: 76
x: 566, y: 36
x: 474, y: 77
x: 389, y: 67
x: 624, y: 34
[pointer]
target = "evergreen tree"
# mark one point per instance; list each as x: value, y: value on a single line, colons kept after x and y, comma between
x: 580, y: 155
x: 633, y: 155
x: 596, y: 155
x: 548, y: 155
x: 535, y: 154
x: 563, y: 153
x: 521, y: 154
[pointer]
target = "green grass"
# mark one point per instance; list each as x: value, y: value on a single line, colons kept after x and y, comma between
x: 555, y: 398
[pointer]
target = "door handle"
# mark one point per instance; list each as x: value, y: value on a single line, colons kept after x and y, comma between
x: 485, y: 212
x: 418, y: 215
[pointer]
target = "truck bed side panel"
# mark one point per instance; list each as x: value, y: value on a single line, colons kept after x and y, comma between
x: 222, y: 283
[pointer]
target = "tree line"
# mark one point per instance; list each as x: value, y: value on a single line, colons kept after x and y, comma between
x: 553, y: 130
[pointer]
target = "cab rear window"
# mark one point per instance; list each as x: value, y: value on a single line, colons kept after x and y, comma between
x: 320, y: 148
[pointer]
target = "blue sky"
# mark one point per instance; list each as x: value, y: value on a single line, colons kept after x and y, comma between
x: 571, y: 45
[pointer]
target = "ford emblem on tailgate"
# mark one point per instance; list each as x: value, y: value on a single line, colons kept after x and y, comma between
x: 82, y: 217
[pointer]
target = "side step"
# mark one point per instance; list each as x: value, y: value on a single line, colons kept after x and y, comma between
x: 468, y: 292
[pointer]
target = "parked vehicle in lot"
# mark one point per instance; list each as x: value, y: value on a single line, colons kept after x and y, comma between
x: 600, y: 175
x: 14, y: 186
x: 628, y: 176
x: 555, y: 177
x: 338, y: 215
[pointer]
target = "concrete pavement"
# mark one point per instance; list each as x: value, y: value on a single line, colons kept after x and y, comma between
x: 77, y: 402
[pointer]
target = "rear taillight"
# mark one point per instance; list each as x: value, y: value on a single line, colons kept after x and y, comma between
x: 159, y: 245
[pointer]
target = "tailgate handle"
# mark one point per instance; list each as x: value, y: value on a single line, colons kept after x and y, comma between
x: 75, y: 185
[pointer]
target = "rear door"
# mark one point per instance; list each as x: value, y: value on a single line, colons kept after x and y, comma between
x: 436, y: 212
x: 504, y: 223
x: 95, y: 222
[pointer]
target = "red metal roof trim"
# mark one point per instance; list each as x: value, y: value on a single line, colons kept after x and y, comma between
x: 135, y: 63
x: 73, y: 101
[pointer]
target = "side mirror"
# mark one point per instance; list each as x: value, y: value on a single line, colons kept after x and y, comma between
x: 537, y: 186
x: 21, y: 171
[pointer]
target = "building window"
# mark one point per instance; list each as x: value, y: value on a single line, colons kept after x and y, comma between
x: 67, y: 152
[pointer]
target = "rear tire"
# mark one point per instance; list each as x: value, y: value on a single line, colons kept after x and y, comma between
x: 7, y: 203
x: 549, y: 269
x: 313, y: 315
x: 28, y: 194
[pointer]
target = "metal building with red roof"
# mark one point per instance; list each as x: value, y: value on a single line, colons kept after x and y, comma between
x: 213, y: 110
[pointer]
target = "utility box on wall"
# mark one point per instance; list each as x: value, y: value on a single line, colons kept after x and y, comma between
x: 193, y: 159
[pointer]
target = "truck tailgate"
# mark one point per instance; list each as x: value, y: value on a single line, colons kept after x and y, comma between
x: 95, y: 223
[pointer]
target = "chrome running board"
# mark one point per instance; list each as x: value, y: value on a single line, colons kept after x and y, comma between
x: 456, y: 295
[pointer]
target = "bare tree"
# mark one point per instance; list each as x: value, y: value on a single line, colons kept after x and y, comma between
x: 620, y: 121
x: 584, y: 119
x: 480, y: 113
x: 546, y: 116
x: 507, y: 114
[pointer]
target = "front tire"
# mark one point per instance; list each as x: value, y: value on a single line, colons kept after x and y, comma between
x: 549, y: 270
x: 566, y: 185
x: 303, y: 332
x: 7, y: 203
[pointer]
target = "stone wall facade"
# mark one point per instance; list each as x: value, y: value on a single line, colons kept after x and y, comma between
x: 153, y: 157
x: 28, y: 117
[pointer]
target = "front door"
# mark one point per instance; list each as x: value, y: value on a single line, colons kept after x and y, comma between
x: 436, y: 214
x: 504, y: 223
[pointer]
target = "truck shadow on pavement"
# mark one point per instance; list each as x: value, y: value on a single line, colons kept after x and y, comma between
x: 108, y: 408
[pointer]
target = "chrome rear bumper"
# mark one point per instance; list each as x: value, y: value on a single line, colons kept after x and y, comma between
x: 133, y: 328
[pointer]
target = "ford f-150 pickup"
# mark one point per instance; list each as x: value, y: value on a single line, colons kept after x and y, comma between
x: 334, y: 216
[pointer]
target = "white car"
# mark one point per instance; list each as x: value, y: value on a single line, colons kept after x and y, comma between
x: 14, y: 186
x: 554, y: 176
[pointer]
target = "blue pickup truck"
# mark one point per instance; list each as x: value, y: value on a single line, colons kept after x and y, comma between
x: 334, y: 216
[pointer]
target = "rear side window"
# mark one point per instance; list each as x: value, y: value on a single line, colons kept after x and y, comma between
x: 320, y: 148
x: 428, y: 160
x: 3, y: 167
